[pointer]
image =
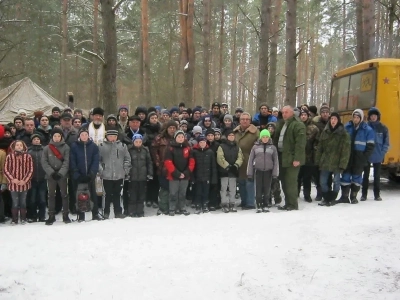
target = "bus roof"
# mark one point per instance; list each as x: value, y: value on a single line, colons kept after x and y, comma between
x: 368, y: 64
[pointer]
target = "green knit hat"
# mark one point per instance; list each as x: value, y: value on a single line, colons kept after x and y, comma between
x: 264, y: 132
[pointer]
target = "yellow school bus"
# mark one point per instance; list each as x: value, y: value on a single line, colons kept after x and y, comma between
x: 375, y: 82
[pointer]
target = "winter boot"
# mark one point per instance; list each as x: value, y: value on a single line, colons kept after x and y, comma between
x: 225, y: 208
x: 353, y: 195
x: 160, y: 212
x: 51, y: 219
x: 265, y: 210
x: 319, y: 194
x: 171, y: 213
x: 232, y: 207
x: 81, y: 217
x: 345, y: 194
x: 155, y: 205
x: 377, y: 198
x: 326, y: 199
x: 198, y: 210
x: 66, y: 218
x: 148, y: 203
x: 14, y: 213
x: 119, y: 216
x: 363, y: 197
x: 332, y: 198
x: 107, y: 216
x: 307, y: 198
x: 205, y: 209
x: 96, y: 216
x: 22, y: 213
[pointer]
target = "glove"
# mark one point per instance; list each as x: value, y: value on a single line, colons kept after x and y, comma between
x: 228, y: 168
x: 56, y: 176
x: 234, y: 168
x: 250, y: 178
x: 149, y: 177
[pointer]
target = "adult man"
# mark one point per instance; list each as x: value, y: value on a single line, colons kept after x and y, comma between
x: 224, y: 109
x: 196, y: 117
x: 54, y: 119
x: 236, y: 117
x: 185, y: 114
x: 70, y: 133
x: 309, y: 169
x: 290, y: 140
x: 134, y: 128
x: 78, y: 113
x: 380, y: 149
x: 19, y: 127
x: 174, y: 111
x: 141, y: 112
x: 362, y: 146
x: 29, y: 130
x: 246, y: 134
x: 97, y: 130
x: 123, y: 117
x: 181, y: 107
x: 264, y: 117
x: 216, y: 114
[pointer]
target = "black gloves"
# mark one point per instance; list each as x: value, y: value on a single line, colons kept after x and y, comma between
x: 234, y: 168
x: 228, y: 168
x: 56, y: 176
x: 84, y: 179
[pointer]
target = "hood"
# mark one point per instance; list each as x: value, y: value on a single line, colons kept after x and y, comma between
x: 258, y: 142
x: 12, y: 146
x: 141, y: 109
x: 176, y: 145
x: 374, y: 110
x: 197, y: 147
x: 360, y: 112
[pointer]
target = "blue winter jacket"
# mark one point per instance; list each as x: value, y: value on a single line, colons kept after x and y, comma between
x: 260, y: 121
x: 381, y: 138
x: 84, y: 159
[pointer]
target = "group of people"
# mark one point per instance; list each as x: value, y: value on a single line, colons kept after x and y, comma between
x: 162, y: 158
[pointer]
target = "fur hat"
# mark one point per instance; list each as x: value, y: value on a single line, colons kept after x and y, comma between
x: 171, y: 123
x: 98, y: 111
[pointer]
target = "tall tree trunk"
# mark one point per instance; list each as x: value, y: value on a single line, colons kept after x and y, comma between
x: 141, y: 69
x: 64, y: 43
x: 109, y: 72
x: 243, y: 69
x: 234, y: 61
x: 262, y: 85
x: 221, y: 53
x: 94, y: 80
x: 359, y: 31
x: 274, y: 53
x: 206, y: 52
x: 369, y: 28
x: 186, y: 9
x: 343, y: 34
x: 291, y: 26
x: 146, y: 53
x: 392, y: 16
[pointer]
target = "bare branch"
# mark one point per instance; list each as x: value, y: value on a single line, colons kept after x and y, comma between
x: 251, y: 22
x: 96, y: 55
x: 300, y: 85
x: 247, y: 89
x: 302, y: 47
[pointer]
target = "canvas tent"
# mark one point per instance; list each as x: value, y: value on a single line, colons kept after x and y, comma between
x: 27, y: 95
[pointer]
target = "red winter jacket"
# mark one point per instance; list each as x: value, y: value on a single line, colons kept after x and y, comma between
x: 178, y: 160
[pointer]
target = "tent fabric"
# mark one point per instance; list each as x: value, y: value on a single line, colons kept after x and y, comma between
x: 27, y: 95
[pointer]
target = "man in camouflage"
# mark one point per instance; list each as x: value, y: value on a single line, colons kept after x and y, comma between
x: 309, y: 169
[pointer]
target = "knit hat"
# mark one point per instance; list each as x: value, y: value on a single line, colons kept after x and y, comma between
x: 74, y: 119
x: 262, y: 104
x: 207, y: 117
x: 358, y: 112
x: 228, y: 132
x: 78, y: 110
x: 183, y: 122
x: 134, y: 118
x: 123, y: 107
x: 55, y: 108
x: 239, y: 109
x: 140, y: 109
x: 137, y: 136
x: 57, y: 130
x: 335, y: 114
x: 324, y: 108
x: 178, y: 132
x: 201, y: 137
x: 264, y: 132
x: 215, y: 104
x: 157, y: 107
x: 305, y: 111
x: 153, y: 113
x: 271, y: 124
x: 173, y: 109
x: 98, y: 111
x: 210, y: 131
x: 112, y: 132
x: 35, y: 135
x: 217, y: 130
x: 197, y: 129
x: 184, y: 110
x: 196, y: 109
x: 112, y: 117
x: 22, y: 111
x: 165, y: 112
x: 171, y: 123
x: 151, y: 109
x: 313, y: 109
x: 181, y: 104
x: 228, y: 117
x: 83, y: 129
x: 275, y: 109
x: 67, y: 109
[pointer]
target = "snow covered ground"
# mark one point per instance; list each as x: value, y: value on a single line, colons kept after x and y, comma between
x: 342, y: 252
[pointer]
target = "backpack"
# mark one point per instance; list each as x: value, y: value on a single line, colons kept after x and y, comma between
x: 83, y: 198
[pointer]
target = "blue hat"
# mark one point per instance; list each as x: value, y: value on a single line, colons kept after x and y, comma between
x: 157, y: 107
x: 123, y: 107
x: 173, y: 109
x: 137, y: 136
x: 201, y: 137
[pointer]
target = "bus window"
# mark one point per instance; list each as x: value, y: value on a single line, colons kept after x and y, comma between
x: 354, y: 91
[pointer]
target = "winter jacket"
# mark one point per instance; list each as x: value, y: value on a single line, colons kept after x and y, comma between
x: 45, y: 133
x: 71, y: 137
x: 84, y: 159
x: 317, y: 121
x: 262, y: 121
x: 129, y: 133
x: 263, y: 157
x: 214, y: 147
x: 216, y: 120
x: 201, y: 124
x: 229, y: 154
x: 36, y: 151
x: 151, y: 132
x: 19, y: 165
x: 179, y: 160
x: 245, y: 141
x: 26, y: 137
x: 333, y: 150
x: 157, y: 150
x: 312, y: 135
x: 3, y: 155
x: 206, y: 167
x: 53, y: 164
x: 115, y: 161
x: 362, y: 146
x: 54, y: 121
x: 294, y: 141
x: 142, y: 165
x: 381, y: 138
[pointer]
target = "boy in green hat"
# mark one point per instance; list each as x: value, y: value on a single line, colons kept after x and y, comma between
x: 262, y: 167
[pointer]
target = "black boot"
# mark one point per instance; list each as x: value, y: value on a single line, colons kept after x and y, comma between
x: 319, y: 194
x: 353, y: 195
x: 66, y: 218
x: 51, y: 219
x: 96, y: 216
x: 345, y: 194
x: 332, y: 198
x: 81, y: 217
x: 326, y: 199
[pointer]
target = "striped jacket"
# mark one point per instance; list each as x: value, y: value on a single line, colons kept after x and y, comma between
x: 19, y: 165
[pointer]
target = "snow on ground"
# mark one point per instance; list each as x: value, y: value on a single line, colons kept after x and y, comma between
x: 342, y: 252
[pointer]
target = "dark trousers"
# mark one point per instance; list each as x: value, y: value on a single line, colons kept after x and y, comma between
x: 137, y: 196
x: 1, y: 207
x: 177, y: 194
x: 125, y: 197
x: 276, y: 191
x: 112, y: 189
x: 202, y: 189
x: 288, y: 178
x: 263, y: 180
x: 153, y: 187
x: 214, y: 194
x: 377, y: 179
x: 71, y: 195
x: 306, y: 173
x: 62, y: 184
x: 37, y: 199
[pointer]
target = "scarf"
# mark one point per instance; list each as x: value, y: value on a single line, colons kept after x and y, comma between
x: 97, y: 135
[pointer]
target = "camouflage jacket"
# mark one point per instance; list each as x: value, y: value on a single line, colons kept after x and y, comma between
x: 312, y: 135
x: 334, y: 149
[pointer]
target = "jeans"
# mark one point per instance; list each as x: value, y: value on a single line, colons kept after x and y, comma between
x: 324, y: 179
x: 38, y: 199
x: 348, y: 179
x: 377, y: 180
x: 246, y: 190
x: 19, y: 199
